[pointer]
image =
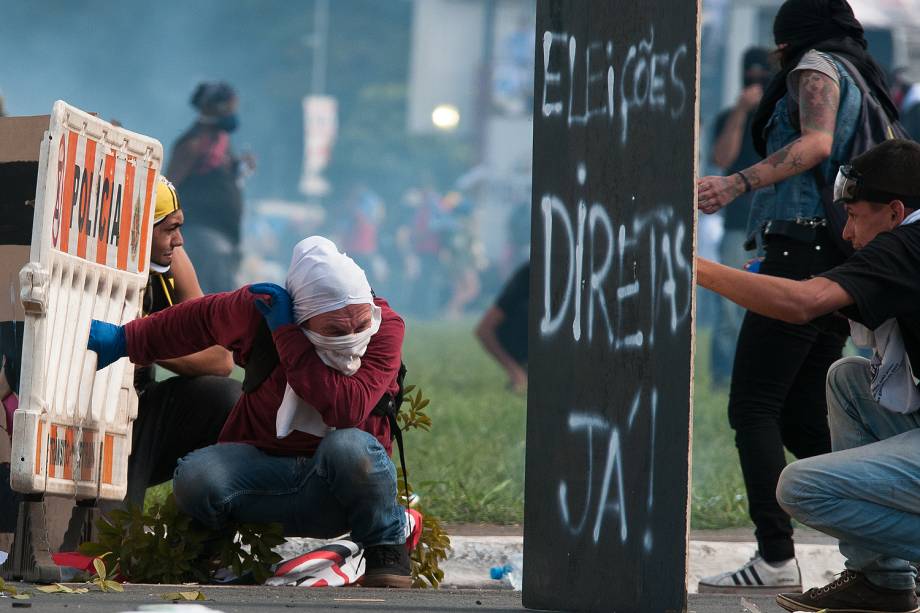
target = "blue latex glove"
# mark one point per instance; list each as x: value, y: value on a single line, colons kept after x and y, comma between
x: 108, y: 341
x: 278, y: 311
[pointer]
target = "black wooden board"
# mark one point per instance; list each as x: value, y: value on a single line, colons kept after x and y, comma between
x: 608, y: 422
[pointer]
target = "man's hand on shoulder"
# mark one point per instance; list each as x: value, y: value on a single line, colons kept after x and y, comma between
x: 278, y: 309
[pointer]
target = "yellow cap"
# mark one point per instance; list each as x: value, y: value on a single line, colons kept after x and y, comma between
x: 167, y: 200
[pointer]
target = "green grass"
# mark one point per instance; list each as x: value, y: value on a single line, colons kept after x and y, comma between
x: 717, y: 495
x: 470, y: 467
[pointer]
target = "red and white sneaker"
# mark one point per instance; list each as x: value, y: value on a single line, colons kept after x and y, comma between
x: 413, y: 529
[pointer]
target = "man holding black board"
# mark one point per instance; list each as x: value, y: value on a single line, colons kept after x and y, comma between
x: 806, y: 126
x: 865, y: 493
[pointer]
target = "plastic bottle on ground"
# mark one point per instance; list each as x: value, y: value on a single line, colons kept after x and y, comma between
x: 511, y: 573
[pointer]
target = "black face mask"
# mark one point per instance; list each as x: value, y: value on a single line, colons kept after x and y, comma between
x: 228, y: 123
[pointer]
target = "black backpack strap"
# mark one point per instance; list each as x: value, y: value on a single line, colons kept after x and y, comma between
x: 389, y: 406
x: 262, y: 360
x: 894, y: 127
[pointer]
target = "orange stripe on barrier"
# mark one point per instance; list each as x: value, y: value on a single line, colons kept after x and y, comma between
x: 145, y: 246
x: 68, y: 453
x: 38, y: 449
x: 108, y: 449
x: 104, y: 215
x: 87, y: 456
x: 71, y: 195
x: 127, y: 203
x: 85, y: 212
x: 52, y: 452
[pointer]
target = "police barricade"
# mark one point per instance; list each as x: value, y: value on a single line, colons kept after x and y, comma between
x: 88, y: 259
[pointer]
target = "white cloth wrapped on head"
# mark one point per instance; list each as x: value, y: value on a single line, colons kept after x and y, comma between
x: 320, y: 280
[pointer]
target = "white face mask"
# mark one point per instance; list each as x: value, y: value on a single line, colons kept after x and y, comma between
x: 343, y: 353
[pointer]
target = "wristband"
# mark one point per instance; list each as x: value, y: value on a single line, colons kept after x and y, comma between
x: 747, y: 184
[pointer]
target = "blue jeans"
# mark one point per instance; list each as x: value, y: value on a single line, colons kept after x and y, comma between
x: 867, y: 491
x: 349, y: 484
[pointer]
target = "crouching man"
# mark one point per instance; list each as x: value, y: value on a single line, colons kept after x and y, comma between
x: 303, y: 446
x: 866, y: 492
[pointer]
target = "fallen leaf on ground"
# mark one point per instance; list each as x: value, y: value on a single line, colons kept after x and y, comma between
x: 57, y: 588
x: 183, y: 596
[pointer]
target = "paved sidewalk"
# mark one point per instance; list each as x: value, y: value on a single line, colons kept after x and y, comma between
x: 711, y: 552
x: 263, y: 599
x: 467, y: 586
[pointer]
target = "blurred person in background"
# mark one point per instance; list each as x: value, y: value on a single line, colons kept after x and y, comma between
x: 463, y: 254
x: 208, y: 177
x: 805, y: 125
x: 733, y: 150
x: 427, y: 244
x: 365, y: 214
x: 503, y: 328
x: 906, y: 95
x: 517, y: 247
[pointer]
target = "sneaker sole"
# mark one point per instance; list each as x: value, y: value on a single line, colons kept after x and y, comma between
x: 705, y: 588
x: 791, y: 605
x: 389, y: 581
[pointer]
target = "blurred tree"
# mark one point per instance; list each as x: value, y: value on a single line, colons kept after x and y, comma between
x: 139, y: 62
x: 375, y: 147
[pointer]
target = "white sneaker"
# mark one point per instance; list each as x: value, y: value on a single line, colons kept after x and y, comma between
x: 754, y: 577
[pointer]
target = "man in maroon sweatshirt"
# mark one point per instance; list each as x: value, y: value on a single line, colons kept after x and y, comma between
x: 303, y: 446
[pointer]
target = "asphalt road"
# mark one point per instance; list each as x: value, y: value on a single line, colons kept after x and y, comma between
x: 261, y: 599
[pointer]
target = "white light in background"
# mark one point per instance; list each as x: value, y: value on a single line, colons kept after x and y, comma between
x: 445, y: 117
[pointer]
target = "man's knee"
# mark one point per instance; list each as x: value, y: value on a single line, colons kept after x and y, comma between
x: 845, y: 375
x: 798, y: 487
x: 354, y: 451
x: 202, y: 485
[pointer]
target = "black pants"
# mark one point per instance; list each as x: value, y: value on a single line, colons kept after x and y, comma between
x: 174, y: 417
x: 777, y: 396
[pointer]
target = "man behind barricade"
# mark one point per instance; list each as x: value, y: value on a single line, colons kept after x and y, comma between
x: 186, y: 412
x: 176, y: 415
x: 304, y: 445
x: 866, y: 492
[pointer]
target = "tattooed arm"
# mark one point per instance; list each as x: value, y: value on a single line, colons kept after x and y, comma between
x: 819, y: 98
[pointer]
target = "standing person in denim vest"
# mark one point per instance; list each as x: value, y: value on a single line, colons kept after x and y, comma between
x: 804, y: 127
x: 733, y: 150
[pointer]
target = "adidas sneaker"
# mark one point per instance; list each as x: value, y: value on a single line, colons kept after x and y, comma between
x: 755, y: 576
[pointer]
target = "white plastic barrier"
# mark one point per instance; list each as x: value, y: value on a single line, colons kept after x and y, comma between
x: 89, y: 259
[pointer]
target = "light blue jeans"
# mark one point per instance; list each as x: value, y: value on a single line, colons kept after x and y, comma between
x: 867, y: 491
x: 349, y: 484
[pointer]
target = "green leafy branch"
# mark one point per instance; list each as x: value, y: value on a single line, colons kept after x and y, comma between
x: 435, y: 543
x: 102, y: 580
x: 415, y: 417
x: 164, y: 545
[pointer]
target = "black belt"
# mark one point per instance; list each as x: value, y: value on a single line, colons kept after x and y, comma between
x: 799, y: 230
